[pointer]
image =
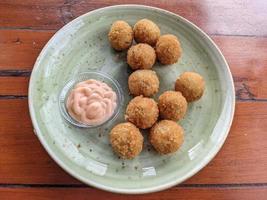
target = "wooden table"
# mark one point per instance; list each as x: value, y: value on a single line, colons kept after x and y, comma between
x: 239, y: 171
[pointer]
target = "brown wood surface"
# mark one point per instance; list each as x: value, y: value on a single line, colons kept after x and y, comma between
x: 181, y: 193
x: 238, y: 27
x: 17, y: 86
x: 239, y: 17
x: 247, y: 59
x: 20, y: 48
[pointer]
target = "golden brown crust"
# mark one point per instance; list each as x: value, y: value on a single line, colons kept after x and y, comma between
x: 141, y: 56
x: 146, y: 31
x: 191, y: 85
x: 120, y: 35
x: 166, y: 136
x: 168, y: 49
x: 143, y: 82
x: 126, y: 140
x: 172, y: 105
x: 142, y: 111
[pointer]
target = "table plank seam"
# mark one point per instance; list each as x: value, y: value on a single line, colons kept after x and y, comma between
x: 13, y: 96
x: 250, y: 100
x: 23, y: 73
x: 28, y: 29
x: 230, y: 185
x: 235, y: 35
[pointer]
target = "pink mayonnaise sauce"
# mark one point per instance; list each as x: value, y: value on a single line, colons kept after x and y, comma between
x: 91, y: 102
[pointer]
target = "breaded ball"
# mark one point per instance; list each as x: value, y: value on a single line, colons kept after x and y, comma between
x: 168, y: 49
x: 126, y: 140
x: 141, y: 56
x: 172, y: 105
x: 143, y: 82
x: 146, y: 31
x: 120, y: 35
x: 166, y: 136
x: 191, y: 85
x: 142, y: 111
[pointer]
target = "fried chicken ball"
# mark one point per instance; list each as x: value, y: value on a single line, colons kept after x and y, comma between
x: 120, y: 35
x: 141, y: 56
x: 126, y: 140
x: 166, y: 136
x: 168, y: 49
x: 172, y: 105
x: 142, y: 111
x: 143, y: 82
x: 146, y: 31
x: 191, y: 85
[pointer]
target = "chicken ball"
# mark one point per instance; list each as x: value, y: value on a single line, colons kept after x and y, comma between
x: 120, y: 35
x: 126, y: 140
x: 166, y: 136
x: 142, y: 111
x: 141, y: 56
x: 172, y: 105
x: 168, y: 49
x: 146, y: 31
x: 143, y: 82
x: 191, y: 85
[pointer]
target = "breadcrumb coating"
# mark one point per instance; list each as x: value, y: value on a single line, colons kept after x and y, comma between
x: 126, y: 140
x: 143, y: 82
x: 172, y: 105
x: 120, y: 35
x: 166, y: 136
x: 141, y: 56
x: 168, y: 49
x: 191, y: 85
x: 146, y: 31
x: 142, y: 111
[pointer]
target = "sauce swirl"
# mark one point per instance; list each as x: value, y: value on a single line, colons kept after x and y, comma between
x: 91, y: 102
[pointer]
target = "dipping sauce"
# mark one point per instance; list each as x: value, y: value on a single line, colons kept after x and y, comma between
x: 91, y: 102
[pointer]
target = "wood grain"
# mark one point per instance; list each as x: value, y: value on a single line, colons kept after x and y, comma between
x: 14, y: 86
x: 248, y: 63
x: 243, y: 158
x: 19, y: 48
x: 234, y: 17
x: 171, y: 194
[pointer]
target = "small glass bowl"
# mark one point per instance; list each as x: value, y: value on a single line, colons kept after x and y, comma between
x: 100, y: 76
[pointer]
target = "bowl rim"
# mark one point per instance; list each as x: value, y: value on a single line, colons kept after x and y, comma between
x: 204, y: 161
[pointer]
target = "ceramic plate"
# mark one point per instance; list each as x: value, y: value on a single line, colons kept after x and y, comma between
x: 81, y: 46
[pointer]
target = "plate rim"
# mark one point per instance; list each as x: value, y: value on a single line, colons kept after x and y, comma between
x: 93, y: 183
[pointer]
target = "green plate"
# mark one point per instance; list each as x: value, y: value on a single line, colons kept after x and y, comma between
x: 81, y: 46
